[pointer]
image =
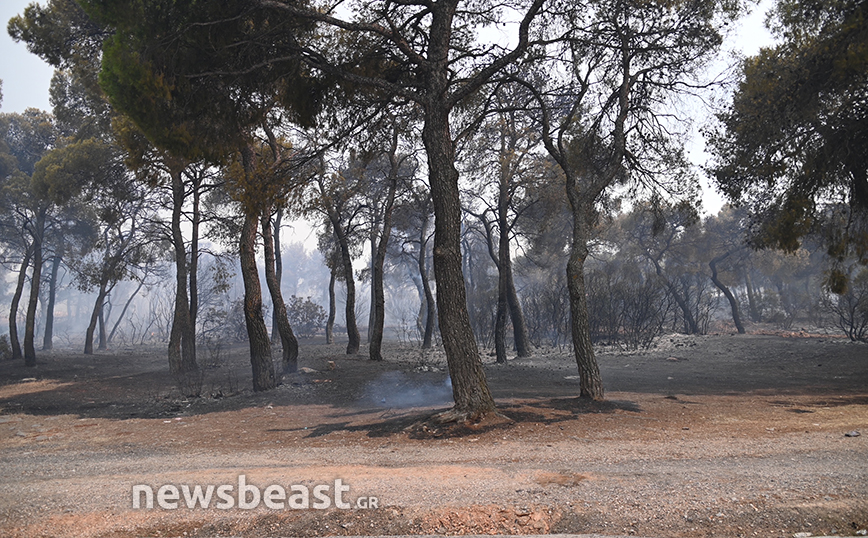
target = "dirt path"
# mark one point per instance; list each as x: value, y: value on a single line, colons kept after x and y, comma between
x: 711, y: 436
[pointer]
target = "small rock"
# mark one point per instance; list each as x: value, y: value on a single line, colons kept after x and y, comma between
x: 862, y: 532
x: 802, y: 535
x: 853, y: 433
x: 331, y: 365
x: 306, y: 370
x: 28, y: 379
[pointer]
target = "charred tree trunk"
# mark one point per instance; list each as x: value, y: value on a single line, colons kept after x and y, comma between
x: 330, y: 324
x: 430, y: 305
x: 103, y: 345
x: 469, y: 386
x: 755, y: 314
x: 48, y: 336
x: 590, y: 380
x: 278, y: 270
x: 733, y: 303
x: 182, y: 337
x: 35, y: 282
x: 353, y: 335
x: 95, y: 316
x: 260, y: 345
x: 16, y: 299
x: 194, y: 254
x: 283, y: 328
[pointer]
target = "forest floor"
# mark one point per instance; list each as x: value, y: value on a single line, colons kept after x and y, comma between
x: 720, y: 435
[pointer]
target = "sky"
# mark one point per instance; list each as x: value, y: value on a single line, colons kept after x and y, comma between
x: 26, y: 77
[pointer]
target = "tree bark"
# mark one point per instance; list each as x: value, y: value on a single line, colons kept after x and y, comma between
x: 260, y: 345
x: 590, y: 380
x: 16, y: 299
x: 94, y: 317
x: 330, y: 324
x: 378, y: 295
x: 35, y: 282
x: 103, y: 341
x: 182, y: 336
x: 755, y: 314
x: 278, y: 269
x: 430, y: 305
x: 283, y: 328
x: 469, y: 386
x: 353, y: 335
x: 48, y: 336
x: 733, y: 303
x: 194, y: 254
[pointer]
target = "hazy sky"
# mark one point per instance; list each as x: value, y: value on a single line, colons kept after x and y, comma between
x: 25, y: 77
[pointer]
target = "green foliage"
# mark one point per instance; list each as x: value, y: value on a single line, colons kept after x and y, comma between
x: 792, y: 143
x: 305, y: 316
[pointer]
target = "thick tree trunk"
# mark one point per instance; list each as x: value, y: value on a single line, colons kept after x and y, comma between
x: 182, y: 336
x: 353, y: 335
x: 16, y: 299
x: 48, y: 336
x: 260, y: 345
x: 590, y: 381
x: 35, y: 282
x: 278, y: 269
x: 330, y: 324
x: 733, y: 303
x: 469, y: 386
x: 283, y: 328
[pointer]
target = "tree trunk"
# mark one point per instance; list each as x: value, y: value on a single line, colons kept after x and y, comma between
x: 430, y: 305
x: 260, y: 345
x: 124, y: 310
x: 103, y: 345
x: 35, y: 282
x: 278, y: 269
x: 330, y: 324
x: 590, y: 381
x: 354, y: 338
x: 182, y: 336
x: 16, y: 299
x: 469, y: 386
x: 48, y: 336
x: 733, y: 304
x: 287, y: 338
x: 378, y: 294
x: 194, y: 255
x: 755, y: 314
x: 95, y: 314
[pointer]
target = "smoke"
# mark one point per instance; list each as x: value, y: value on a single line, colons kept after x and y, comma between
x: 398, y: 390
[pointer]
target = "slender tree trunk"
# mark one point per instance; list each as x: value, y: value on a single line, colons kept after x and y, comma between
x: 35, y: 282
x: 330, y: 324
x: 124, y: 310
x: 16, y: 299
x: 48, y: 336
x: 430, y: 305
x: 278, y: 269
x: 469, y: 386
x: 194, y: 255
x: 260, y: 345
x: 755, y: 314
x: 378, y: 299
x: 182, y: 336
x: 733, y: 304
x: 102, y: 332
x: 95, y: 316
x: 590, y: 380
x: 287, y: 338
